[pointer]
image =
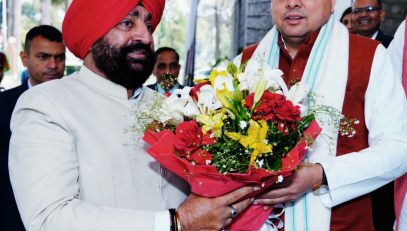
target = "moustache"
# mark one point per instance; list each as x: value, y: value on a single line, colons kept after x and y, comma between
x: 294, y: 11
x: 139, y: 47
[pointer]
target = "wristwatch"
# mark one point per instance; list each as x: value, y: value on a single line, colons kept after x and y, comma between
x: 322, y: 188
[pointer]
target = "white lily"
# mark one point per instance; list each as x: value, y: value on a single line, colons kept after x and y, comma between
x: 175, y: 104
x: 207, y: 100
x: 298, y: 95
x: 257, y: 71
x: 243, y: 82
x: 223, y: 82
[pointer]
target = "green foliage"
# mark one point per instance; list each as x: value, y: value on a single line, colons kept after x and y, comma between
x: 58, y: 2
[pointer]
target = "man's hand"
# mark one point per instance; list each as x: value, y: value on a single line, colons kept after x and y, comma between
x: 301, y: 181
x: 199, y: 213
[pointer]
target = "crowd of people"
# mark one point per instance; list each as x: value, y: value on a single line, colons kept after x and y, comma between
x: 66, y: 163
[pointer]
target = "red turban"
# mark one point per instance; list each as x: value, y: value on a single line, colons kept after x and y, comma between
x: 88, y: 20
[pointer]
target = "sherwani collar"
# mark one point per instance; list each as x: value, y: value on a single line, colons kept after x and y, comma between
x: 101, y: 84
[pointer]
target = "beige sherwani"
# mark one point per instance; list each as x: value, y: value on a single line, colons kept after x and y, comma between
x: 73, y: 167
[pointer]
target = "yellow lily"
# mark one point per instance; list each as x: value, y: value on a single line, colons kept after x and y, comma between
x: 224, y: 96
x: 255, y: 140
x: 215, y: 74
x: 212, y: 123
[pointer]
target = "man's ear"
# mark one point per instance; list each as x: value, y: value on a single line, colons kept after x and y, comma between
x: 382, y: 15
x: 24, y: 57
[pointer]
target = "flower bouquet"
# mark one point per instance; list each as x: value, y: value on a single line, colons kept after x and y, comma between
x: 241, y: 128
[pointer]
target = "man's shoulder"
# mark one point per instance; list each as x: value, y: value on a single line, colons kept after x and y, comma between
x: 361, y: 43
x: 13, y: 93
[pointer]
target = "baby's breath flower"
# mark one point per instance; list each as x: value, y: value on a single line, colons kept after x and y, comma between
x: 243, y: 124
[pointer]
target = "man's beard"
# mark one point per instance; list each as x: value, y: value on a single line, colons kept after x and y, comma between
x: 115, y: 63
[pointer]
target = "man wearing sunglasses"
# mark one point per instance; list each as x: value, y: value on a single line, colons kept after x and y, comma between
x: 367, y: 16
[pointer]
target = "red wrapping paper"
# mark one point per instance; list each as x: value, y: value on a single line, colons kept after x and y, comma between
x: 206, y: 181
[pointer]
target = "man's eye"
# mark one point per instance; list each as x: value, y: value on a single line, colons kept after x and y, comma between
x: 126, y: 24
x: 173, y: 66
x: 61, y: 58
x: 149, y: 27
x: 161, y: 66
x: 42, y: 57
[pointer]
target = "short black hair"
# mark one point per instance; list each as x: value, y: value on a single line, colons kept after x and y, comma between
x: 346, y: 12
x: 162, y: 49
x: 49, y: 32
x: 379, y: 5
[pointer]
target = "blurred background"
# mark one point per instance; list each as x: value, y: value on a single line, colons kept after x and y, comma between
x: 221, y: 30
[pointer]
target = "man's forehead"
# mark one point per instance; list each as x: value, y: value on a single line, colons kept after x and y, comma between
x: 136, y: 12
x: 166, y: 53
x: 365, y: 2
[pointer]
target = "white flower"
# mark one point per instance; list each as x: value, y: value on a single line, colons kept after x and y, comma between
x: 256, y: 71
x: 207, y: 100
x: 191, y: 109
x: 222, y: 82
x: 273, y: 77
x: 298, y: 96
x: 260, y: 163
x: 242, y: 124
x: 243, y: 82
x: 175, y: 104
x: 297, y: 93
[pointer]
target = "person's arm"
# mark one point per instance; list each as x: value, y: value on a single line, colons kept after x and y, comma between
x: 355, y: 174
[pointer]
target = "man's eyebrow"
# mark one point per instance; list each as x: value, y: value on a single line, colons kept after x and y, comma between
x: 50, y: 54
x: 136, y: 13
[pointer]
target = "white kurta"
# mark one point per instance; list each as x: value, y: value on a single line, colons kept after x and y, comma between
x: 396, y: 49
x: 72, y: 167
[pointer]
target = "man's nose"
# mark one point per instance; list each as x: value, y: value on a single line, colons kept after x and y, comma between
x: 141, y: 32
x: 167, y: 69
x: 293, y: 3
x: 52, y: 63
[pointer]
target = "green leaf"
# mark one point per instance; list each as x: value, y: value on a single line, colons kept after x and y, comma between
x: 232, y: 69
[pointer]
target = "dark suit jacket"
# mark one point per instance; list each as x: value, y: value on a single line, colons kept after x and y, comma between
x: 384, y: 39
x: 9, y: 217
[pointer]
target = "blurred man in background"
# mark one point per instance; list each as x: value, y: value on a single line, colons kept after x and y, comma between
x: 166, y: 70
x: 367, y: 17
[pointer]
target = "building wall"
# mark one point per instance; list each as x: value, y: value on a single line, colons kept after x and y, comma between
x: 253, y: 20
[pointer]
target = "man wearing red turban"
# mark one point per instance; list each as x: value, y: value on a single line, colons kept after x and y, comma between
x: 72, y: 164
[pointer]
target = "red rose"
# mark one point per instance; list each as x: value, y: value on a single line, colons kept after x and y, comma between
x: 288, y: 112
x: 200, y: 157
x: 189, y: 137
x: 267, y: 104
